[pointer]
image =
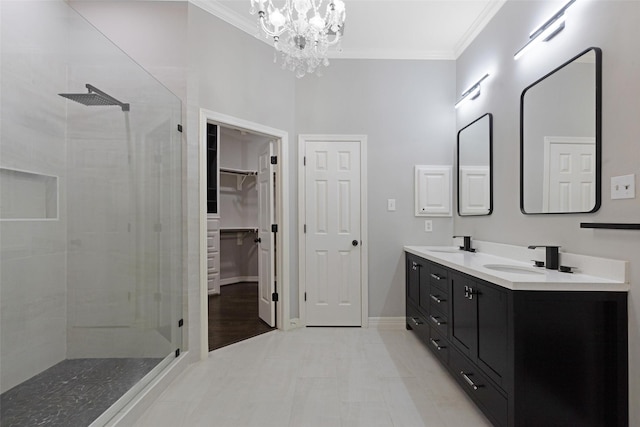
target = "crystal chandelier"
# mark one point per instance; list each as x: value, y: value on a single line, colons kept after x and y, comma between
x: 300, y: 33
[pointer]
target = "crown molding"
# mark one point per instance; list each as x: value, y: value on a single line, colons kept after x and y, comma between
x: 228, y: 15
x: 478, y: 25
x: 243, y: 23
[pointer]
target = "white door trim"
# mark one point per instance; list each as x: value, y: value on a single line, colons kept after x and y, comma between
x: 282, y: 215
x: 364, y: 251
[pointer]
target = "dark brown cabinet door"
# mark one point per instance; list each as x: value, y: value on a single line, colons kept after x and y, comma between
x: 463, y: 324
x: 414, y: 265
x: 492, y: 317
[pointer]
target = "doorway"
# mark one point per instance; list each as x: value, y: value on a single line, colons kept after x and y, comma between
x: 258, y: 230
x: 333, y: 240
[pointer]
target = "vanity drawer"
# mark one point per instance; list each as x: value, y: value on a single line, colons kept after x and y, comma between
x: 489, y: 398
x: 438, y: 301
x: 439, y: 322
x: 417, y: 322
x: 438, y: 277
x: 439, y: 345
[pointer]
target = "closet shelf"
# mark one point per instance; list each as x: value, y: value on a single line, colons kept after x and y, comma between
x: 238, y: 229
x: 232, y: 171
x: 240, y: 174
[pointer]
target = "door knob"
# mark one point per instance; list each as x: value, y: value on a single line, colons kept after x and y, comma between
x: 354, y: 243
x: 258, y: 240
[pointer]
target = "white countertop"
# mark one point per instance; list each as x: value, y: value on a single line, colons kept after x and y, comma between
x: 473, y: 264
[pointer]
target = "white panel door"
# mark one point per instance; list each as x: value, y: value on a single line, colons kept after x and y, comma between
x: 570, y: 175
x: 332, y: 238
x: 266, y: 246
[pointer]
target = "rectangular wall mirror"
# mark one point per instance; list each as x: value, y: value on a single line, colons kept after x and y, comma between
x: 475, y: 178
x: 560, y: 138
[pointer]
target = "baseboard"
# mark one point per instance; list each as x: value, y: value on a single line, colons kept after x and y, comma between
x: 238, y: 279
x: 387, y: 322
x: 144, y: 399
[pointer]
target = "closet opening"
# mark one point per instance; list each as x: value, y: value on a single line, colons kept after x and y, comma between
x: 242, y: 203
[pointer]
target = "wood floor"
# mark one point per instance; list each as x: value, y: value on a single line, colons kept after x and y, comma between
x: 233, y: 315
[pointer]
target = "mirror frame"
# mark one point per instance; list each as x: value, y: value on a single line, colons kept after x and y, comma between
x: 598, y: 132
x: 490, y: 165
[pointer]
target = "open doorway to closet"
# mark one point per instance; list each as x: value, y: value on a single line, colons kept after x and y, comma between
x: 244, y: 219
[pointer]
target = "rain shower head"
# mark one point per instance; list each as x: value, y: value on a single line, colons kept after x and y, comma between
x: 94, y: 97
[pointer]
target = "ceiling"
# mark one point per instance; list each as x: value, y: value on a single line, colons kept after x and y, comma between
x: 389, y: 29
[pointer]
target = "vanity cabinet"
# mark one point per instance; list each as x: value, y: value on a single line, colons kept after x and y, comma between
x: 526, y: 358
x: 479, y: 324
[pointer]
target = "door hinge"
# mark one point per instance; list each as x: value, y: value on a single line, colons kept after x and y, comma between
x: 274, y: 160
x: 305, y: 228
x: 177, y: 352
x: 180, y: 323
x: 179, y: 128
x: 305, y: 296
x: 304, y: 161
x: 274, y: 297
x: 274, y: 228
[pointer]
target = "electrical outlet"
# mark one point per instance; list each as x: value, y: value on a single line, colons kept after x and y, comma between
x: 428, y: 225
x: 391, y: 204
x: 623, y: 187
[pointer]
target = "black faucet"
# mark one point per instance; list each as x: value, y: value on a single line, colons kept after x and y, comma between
x: 467, y: 244
x: 552, y: 256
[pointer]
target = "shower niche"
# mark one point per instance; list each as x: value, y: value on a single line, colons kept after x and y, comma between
x: 27, y: 195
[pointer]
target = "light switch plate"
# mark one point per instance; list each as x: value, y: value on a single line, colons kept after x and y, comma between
x: 623, y: 187
x: 391, y: 204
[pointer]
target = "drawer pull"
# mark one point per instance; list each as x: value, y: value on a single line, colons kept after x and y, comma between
x: 437, y: 276
x: 416, y: 321
x: 436, y: 345
x: 469, y: 381
x: 437, y: 321
x: 436, y: 299
x: 469, y: 292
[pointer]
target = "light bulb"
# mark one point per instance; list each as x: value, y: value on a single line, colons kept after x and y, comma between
x: 277, y: 19
x: 317, y: 22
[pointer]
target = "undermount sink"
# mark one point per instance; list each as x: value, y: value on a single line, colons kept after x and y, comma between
x: 516, y: 269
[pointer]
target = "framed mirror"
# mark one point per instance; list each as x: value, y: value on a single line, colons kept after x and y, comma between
x: 560, y: 138
x: 475, y: 178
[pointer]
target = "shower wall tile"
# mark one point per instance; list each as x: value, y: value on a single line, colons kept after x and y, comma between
x: 33, y: 300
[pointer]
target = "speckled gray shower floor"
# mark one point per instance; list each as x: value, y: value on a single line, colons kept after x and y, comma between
x: 72, y: 393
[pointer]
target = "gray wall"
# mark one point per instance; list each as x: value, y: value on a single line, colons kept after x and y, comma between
x: 613, y: 27
x: 406, y: 110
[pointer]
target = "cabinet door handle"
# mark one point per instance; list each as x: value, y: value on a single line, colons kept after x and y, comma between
x: 469, y: 381
x: 415, y: 265
x: 436, y: 320
x: 435, y: 298
x: 466, y: 291
x: 472, y: 292
x: 437, y: 276
x: 416, y: 321
x: 436, y: 345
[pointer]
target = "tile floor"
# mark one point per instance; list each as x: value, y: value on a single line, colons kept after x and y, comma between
x: 322, y: 377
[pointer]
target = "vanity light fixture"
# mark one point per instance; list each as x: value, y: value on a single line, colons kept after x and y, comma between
x: 472, y: 93
x: 546, y: 31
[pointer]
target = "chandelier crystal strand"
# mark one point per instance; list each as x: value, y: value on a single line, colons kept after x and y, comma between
x: 300, y: 33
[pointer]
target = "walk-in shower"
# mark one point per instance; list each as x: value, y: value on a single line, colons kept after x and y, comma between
x: 90, y: 221
x: 94, y: 96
